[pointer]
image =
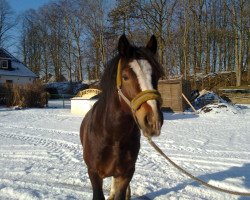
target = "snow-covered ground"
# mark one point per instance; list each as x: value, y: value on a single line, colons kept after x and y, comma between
x: 41, y: 156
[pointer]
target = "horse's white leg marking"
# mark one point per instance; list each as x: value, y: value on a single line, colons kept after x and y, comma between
x: 112, y: 189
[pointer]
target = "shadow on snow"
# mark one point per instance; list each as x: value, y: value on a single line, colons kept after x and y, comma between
x: 176, y: 116
x: 233, y: 172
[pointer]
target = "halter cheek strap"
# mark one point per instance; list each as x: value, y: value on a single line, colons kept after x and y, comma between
x: 140, y: 98
x: 119, y: 75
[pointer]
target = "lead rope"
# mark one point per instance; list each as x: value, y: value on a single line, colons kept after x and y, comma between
x: 151, y: 142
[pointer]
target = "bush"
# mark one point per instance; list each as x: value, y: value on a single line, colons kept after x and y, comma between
x: 3, y: 94
x: 27, y: 96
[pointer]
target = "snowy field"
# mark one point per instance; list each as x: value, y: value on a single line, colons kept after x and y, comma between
x: 41, y: 156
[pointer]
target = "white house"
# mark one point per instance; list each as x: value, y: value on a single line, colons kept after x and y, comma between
x: 13, y: 70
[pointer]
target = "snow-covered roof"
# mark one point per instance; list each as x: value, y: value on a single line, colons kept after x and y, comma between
x: 17, y: 67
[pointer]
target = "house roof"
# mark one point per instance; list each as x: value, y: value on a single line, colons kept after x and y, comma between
x: 3, y: 54
x: 17, y: 67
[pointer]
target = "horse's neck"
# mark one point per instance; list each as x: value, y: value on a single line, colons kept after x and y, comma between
x: 115, y: 120
x: 116, y: 114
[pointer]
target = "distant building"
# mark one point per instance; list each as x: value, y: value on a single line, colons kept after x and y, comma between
x: 14, y: 71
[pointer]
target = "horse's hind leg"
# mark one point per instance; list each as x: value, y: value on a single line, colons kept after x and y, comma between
x: 96, y: 182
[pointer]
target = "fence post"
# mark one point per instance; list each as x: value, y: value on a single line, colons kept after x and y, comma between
x: 47, y: 100
x: 63, y: 100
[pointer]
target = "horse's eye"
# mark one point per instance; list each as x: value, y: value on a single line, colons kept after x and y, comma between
x: 125, y: 77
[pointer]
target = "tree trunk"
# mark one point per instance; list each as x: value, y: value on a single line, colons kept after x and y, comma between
x: 248, y: 58
x: 199, y: 67
x: 208, y: 41
x: 220, y: 57
x: 79, y: 60
x: 237, y: 46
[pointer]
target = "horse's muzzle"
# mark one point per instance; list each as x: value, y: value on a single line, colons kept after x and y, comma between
x: 150, y: 118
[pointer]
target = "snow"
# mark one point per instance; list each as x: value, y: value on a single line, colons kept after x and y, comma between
x: 41, y: 155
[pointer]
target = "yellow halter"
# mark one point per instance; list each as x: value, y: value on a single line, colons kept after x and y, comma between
x: 140, y: 98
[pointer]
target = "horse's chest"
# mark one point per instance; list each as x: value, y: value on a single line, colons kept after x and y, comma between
x: 116, y: 161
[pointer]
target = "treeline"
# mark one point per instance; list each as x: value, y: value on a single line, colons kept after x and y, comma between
x: 77, y: 37
x: 65, y: 37
x: 195, y: 36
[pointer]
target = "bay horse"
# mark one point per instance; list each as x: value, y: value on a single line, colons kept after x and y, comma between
x: 110, y: 131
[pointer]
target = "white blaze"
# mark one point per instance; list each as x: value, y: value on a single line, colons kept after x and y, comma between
x: 143, y: 71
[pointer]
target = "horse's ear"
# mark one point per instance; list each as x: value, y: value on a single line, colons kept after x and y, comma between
x: 123, y: 46
x: 152, y: 44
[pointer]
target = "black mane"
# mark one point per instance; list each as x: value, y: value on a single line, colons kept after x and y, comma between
x: 108, y: 80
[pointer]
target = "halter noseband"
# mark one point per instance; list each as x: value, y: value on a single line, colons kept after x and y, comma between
x: 140, y: 98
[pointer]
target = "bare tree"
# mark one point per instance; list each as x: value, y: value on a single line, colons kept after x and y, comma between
x: 239, y: 34
x: 157, y: 17
x: 95, y: 25
x: 184, y: 29
x: 6, y: 22
x: 123, y: 17
x: 65, y: 8
x: 31, y: 43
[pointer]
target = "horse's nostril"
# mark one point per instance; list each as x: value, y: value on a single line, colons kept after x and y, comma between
x: 148, y: 120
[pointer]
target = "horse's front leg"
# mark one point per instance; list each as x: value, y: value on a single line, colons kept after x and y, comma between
x: 96, y: 182
x: 113, y: 190
x: 128, y: 193
x: 120, y: 189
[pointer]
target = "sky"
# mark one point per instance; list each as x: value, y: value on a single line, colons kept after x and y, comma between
x: 20, y: 6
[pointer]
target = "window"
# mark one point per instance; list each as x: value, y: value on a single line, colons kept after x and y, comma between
x: 4, y: 64
x: 9, y: 81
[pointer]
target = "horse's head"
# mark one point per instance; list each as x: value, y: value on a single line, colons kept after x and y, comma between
x: 137, y: 77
